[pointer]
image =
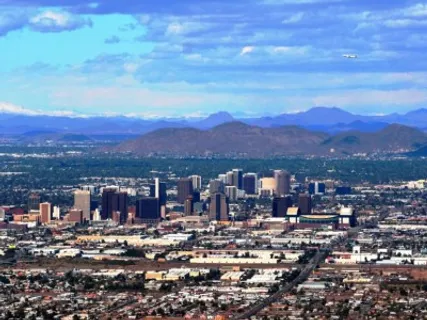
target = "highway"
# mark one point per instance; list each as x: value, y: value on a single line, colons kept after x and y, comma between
x: 305, y: 273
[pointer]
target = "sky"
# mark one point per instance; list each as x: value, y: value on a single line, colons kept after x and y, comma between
x: 168, y: 58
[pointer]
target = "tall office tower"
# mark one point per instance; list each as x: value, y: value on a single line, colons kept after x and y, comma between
x: 148, y: 209
x: 250, y: 183
x: 196, y: 196
x: 197, y: 182
x: 267, y: 187
x: 223, y: 178
x: 219, y: 209
x: 185, y: 189
x: 114, y: 201
x: 229, y: 179
x: 280, y: 206
x: 93, y: 205
x: 216, y: 186
x: 189, y: 206
x: 56, y: 213
x: 107, y: 203
x: 123, y: 207
x: 283, y: 183
x: 75, y: 215
x: 82, y: 202
x: 231, y: 192
x: 158, y: 190
x: 304, y: 203
x: 317, y: 188
x: 238, y: 178
x: 34, y: 202
x: 45, y: 212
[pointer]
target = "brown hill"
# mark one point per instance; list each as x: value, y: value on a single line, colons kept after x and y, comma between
x: 236, y: 138
x: 393, y: 138
x: 227, y: 139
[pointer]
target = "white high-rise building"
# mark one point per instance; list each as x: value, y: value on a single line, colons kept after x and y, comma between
x: 96, y: 215
x: 56, y: 213
x: 157, y: 188
x: 230, y: 178
x: 197, y: 182
x: 223, y: 178
x: 231, y: 192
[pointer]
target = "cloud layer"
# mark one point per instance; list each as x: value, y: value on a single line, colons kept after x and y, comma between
x: 263, y: 56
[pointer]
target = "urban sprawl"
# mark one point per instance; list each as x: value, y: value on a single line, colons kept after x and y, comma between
x: 240, y: 246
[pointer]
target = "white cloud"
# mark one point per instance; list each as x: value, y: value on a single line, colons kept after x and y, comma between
x: 50, y: 18
x: 404, y: 23
x: 55, y: 21
x: 418, y: 10
x: 6, y: 107
x: 131, y: 67
x: 197, y: 57
x: 246, y: 50
x: 281, y: 49
x: 292, y: 50
x: 175, y: 28
x: 297, y: 17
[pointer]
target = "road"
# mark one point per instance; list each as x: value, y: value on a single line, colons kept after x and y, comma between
x: 305, y: 273
x: 142, y: 265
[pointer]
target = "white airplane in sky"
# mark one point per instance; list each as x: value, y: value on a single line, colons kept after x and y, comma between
x: 350, y: 56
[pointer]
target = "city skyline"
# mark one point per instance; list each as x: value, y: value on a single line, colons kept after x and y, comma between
x: 190, y: 59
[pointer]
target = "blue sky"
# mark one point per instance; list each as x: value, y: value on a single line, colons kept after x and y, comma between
x: 192, y: 57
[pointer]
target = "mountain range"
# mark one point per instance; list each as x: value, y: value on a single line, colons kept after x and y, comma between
x: 241, y: 139
x: 324, y: 119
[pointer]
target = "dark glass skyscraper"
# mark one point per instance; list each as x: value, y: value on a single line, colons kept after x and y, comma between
x: 185, y: 189
x: 114, y: 201
x: 34, y: 202
x: 250, y: 183
x: 158, y: 190
x: 280, y: 206
x: 107, y: 195
x: 196, y: 196
x: 218, y: 209
x: 238, y: 178
x: 305, y: 203
x: 148, y: 209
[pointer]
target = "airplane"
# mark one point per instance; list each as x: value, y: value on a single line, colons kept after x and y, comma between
x: 350, y: 56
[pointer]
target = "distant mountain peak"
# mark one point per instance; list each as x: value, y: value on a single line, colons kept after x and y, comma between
x: 222, y: 115
x: 214, y: 120
x: 397, y: 127
x: 233, y: 125
x: 335, y: 110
